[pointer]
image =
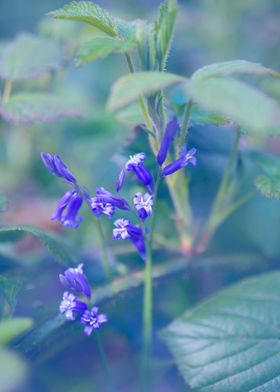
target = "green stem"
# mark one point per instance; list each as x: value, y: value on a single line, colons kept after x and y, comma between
x: 184, y: 130
x: 103, y: 358
x: 105, y: 256
x: 7, y: 91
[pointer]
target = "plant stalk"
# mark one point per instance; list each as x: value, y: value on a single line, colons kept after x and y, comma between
x: 7, y: 91
x: 105, y: 256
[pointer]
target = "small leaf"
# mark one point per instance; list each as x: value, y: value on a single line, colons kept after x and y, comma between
x: 237, y: 101
x: 228, y: 68
x: 13, y: 371
x: 131, y: 116
x: 231, y: 341
x: 102, y: 47
x: 55, y: 245
x: 87, y: 12
x: 13, y: 327
x: 130, y: 87
x: 269, y: 186
x: 29, y: 57
x: 27, y: 108
x: 3, y: 203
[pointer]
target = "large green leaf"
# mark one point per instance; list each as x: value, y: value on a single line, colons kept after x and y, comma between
x: 269, y: 186
x: 29, y: 57
x: 130, y: 87
x: 231, y: 341
x: 55, y: 245
x: 13, y: 371
x: 87, y: 12
x: 228, y: 68
x: 13, y: 327
x: 237, y: 101
x: 102, y: 47
x: 27, y: 108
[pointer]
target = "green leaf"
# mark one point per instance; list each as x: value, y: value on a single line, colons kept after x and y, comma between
x: 13, y: 371
x: 3, y: 203
x: 13, y: 327
x: 164, y: 28
x: 237, y: 101
x: 29, y: 57
x: 102, y: 47
x: 231, y: 341
x: 55, y: 245
x: 269, y: 186
x: 130, y: 87
x: 228, y: 68
x: 203, y: 117
x: 87, y: 12
x: 131, y: 116
x: 27, y: 108
x: 9, y: 290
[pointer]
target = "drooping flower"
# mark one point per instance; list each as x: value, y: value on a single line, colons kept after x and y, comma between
x: 57, y: 167
x: 135, y: 164
x: 143, y: 204
x: 70, y: 306
x: 68, y: 207
x: 121, y: 230
x: 126, y: 231
x: 75, y: 279
x: 93, y: 320
x: 186, y: 157
x: 172, y: 128
x: 99, y: 207
x: 106, y: 197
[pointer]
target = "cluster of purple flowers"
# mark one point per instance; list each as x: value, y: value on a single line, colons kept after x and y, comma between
x: 74, y: 279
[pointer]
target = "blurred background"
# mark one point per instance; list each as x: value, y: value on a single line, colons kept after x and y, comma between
x: 95, y: 146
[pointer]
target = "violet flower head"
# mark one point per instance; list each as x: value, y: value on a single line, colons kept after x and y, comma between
x: 135, y: 164
x: 70, y: 306
x: 186, y: 157
x: 99, y: 207
x: 57, y: 167
x: 106, y: 197
x: 121, y: 229
x: 93, y: 320
x: 143, y: 204
x: 172, y: 128
x: 75, y: 279
x: 126, y: 231
x: 67, y: 211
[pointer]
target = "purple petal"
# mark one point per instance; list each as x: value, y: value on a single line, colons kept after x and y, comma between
x: 169, y: 135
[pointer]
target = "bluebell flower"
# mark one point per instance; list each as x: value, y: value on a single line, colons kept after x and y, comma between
x: 99, y: 207
x: 57, y: 167
x: 92, y: 320
x: 172, y: 128
x: 135, y: 164
x: 67, y: 211
x: 75, y: 279
x: 106, y: 197
x: 143, y: 204
x: 186, y: 157
x: 121, y: 230
x: 126, y: 231
x: 70, y: 306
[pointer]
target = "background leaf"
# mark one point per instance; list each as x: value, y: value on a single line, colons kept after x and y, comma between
x: 13, y: 371
x: 231, y: 342
x: 13, y: 327
x: 3, y: 203
x: 269, y: 186
x: 228, y: 68
x: 9, y: 290
x: 29, y: 57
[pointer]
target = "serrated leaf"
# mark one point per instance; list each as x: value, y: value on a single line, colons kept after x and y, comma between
x: 87, y: 12
x: 231, y: 341
x: 269, y: 186
x: 130, y: 87
x: 27, y: 108
x: 164, y: 28
x: 102, y: 47
x: 55, y: 245
x: 29, y: 57
x: 13, y: 327
x: 233, y: 67
x: 13, y: 371
x: 238, y: 102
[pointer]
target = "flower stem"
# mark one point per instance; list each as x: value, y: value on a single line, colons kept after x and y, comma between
x: 7, y: 91
x: 184, y: 130
x: 103, y: 358
x: 105, y: 256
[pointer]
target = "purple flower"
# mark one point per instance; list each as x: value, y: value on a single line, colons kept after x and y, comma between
x: 121, y: 230
x: 70, y: 306
x: 92, y: 320
x: 169, y: 135
x: 126, y: 231
x: 143, y: 204
x: 68, y: 208
x: 186, y: 157
x: 75, y: 279
x: 99, y: 207
x: 135, y: 164
x: 57, y: 167
x: 106, y: 197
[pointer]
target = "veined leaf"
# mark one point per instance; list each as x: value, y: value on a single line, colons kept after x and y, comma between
x: 27, y: 108
x: 55, y: 245
x: 102, y: 47
x: 13, y: 327
x: 130, y: 87
x: 229, y: 68
x: 13, y: 371
x: 87, y: 12
x: 269, y: 186
x: 231, y: 341
x: 237, y: 101
x: 29, y: 57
